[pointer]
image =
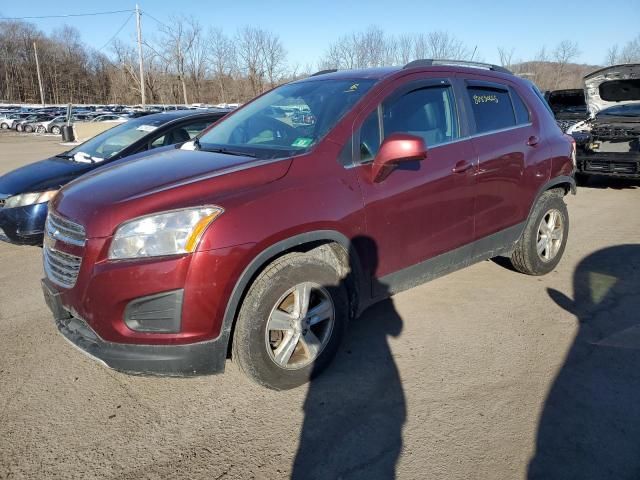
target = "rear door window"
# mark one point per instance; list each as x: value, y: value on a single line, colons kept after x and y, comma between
x: 492, y: 108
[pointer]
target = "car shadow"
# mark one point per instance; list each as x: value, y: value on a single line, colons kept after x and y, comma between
x: 590, y: 423
x: 354, y: 412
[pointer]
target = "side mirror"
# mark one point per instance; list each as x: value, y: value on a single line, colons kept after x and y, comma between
x: 395, y: 149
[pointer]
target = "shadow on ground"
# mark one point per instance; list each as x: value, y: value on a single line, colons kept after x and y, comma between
x: 354, y: 412
x: 590, y: 424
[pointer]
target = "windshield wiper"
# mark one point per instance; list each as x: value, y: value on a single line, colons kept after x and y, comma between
x: 226, y: 151
x: 64, y: 155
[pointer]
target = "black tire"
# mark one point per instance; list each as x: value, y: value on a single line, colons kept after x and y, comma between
x: 19, y: 128
x: 55, y: 130
x: 28, y: 128
x: 4, y: 126
x: 525, y: 257
x: 251, y: 350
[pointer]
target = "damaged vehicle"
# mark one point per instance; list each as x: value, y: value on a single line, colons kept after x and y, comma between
x: 569, y: 106
x: 608, y: 142
x: 26, y: 191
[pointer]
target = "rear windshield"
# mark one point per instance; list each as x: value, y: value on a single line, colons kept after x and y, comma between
x: 567, y: 101
x: 620, y: 90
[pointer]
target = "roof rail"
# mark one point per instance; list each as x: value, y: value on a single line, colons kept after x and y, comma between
x: 462, y: 63
x: 322, y: 72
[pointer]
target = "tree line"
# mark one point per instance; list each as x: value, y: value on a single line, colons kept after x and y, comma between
x: 184, y: 62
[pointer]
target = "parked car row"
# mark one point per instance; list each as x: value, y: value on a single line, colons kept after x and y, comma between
x: 261, y: 236
x: 48, y: 123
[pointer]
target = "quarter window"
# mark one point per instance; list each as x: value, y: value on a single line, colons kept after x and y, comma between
x: 370, y: 137
x: 492, y: 108
x: 522, y: 112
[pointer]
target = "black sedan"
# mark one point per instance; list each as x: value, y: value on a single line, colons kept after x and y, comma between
x: 26, y: 191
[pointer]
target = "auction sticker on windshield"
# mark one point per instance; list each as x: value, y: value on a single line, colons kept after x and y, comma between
x: 302, y: 142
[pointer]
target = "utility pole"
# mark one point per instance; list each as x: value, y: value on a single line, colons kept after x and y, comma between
x: 35, y: 50
x: 139, y: 27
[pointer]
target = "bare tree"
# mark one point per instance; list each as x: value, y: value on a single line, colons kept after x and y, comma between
x: 506, y: 57
x: 612, y: 55
x: 250, y: 57
x: 564, y: 53
x: 273, y: 56
x: 222, y: 60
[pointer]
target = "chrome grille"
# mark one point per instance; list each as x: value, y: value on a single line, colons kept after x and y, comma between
x: 65, y: 230
x: 61, y: 268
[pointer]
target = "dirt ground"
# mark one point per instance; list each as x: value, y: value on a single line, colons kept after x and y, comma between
x: 477, y: 375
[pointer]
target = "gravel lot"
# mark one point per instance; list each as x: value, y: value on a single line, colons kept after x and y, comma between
x: 469, y: 377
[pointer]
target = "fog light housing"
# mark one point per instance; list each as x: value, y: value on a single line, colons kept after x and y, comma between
x: 159, y: 313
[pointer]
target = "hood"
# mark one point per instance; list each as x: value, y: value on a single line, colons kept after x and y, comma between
x: 163, y: 181
x: 617, y: 85
x: 48, y: 174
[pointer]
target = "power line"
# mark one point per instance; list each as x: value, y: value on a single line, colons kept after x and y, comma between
x: 117, y: 33
x: 144, y: 12
x: 66, y: 16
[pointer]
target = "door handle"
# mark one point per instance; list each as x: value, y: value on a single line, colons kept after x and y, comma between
x: 533, y: 141
x: 461, y: 167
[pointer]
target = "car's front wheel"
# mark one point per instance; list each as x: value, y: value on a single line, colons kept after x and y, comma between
x: 4, y: 126
x: 544, y: 238
x: 55, y: 130
x: 291, y: 321
x: 28, y: 128
x: 19, y: 128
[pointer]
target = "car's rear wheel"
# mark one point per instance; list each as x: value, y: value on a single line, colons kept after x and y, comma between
x: 28, y: 128
x: 41, y: 129
x: 19, y: 128
x: 544, y: 238
x: 291, y: 321
x: 55, y: 130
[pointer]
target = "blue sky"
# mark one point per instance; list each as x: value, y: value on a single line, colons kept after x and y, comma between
x: 306, y: 27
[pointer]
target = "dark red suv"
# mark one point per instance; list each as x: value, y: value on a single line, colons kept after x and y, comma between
x: 263, y: 237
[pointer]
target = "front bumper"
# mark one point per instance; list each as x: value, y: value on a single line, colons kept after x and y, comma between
x: 614, y: 165
x: 200, y: 358
x: 23, y: 225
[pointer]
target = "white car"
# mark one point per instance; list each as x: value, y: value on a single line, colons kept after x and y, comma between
x: 7, y: 121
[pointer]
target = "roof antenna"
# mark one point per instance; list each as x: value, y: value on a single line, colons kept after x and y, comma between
x: 474, y: 53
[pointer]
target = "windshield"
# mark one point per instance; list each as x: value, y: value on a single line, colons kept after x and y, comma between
x: 629, y: 110
x: 111, y: 142
x: 286, y: 121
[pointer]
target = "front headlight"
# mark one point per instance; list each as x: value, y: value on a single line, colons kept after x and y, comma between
x: 168, y: 233
x: 25, y: 199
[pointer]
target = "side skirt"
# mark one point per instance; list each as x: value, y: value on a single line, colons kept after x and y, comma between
x: 499, y: 243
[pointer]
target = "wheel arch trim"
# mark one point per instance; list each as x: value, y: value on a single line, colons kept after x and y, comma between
x: 273, y: 251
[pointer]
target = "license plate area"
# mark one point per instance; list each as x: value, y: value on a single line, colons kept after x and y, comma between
x: 52, y: 299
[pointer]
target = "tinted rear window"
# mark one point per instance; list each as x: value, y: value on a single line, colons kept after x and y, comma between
x: 492, y: 108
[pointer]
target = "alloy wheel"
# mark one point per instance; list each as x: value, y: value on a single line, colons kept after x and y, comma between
x: 300, y: 326
x: 550, y: 235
